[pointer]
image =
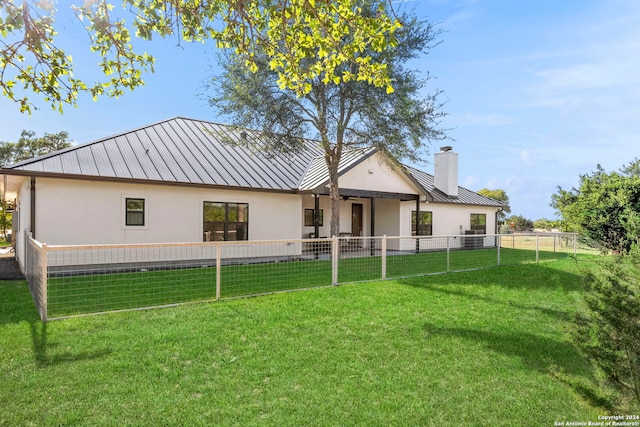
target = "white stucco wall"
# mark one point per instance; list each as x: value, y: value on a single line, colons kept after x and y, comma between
x: 376, y: 175
x: 449, y: 219
x: 345, y: 215
x: 73, y: 212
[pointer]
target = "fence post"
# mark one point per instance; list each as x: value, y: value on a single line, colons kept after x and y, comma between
x: 575, y: 240
x: 383, y: 254
x: 218, y: 270
x: 448, y: 245
x: 334, y: 260
x: 43, y: 290
x: 537, y: 247
x: 499, y: 243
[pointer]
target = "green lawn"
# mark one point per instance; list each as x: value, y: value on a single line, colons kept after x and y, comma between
x: 107, y: 292
x: 472, y: 348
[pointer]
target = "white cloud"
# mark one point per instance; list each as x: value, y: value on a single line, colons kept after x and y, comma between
x: 528, y: 158
x: 483, y: 119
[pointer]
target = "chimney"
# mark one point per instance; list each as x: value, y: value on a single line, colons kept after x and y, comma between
x: 446, y: 171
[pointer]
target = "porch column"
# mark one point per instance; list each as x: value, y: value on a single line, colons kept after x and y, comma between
x: 316, y: 216
x: 373, y: 225
x: 33, y: 206
x: 418, y: 223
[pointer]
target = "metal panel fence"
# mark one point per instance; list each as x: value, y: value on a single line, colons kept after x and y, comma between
x: 75, y: 280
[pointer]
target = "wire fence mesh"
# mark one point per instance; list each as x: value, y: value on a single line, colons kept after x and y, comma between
x: 75, y: 280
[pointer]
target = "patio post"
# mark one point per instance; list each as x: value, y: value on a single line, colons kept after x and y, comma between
x: 373, y: 226
x: 418, y: 224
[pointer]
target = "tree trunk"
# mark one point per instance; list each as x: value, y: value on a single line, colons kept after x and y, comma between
x: 334, y: 192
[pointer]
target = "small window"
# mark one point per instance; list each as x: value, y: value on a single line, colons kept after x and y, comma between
x: 479, y: 222
x: 134, y: 212
x: 308, y: 217
x: 426, y: 223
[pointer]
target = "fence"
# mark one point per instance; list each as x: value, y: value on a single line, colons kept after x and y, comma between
x: 75, y: 280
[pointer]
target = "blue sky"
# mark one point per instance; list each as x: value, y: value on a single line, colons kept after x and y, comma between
x: 537, y: 92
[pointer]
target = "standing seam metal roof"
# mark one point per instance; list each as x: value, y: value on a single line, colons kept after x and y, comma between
x: 187, y: 151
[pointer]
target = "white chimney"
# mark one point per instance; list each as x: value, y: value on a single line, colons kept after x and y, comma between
x: 446, y: 171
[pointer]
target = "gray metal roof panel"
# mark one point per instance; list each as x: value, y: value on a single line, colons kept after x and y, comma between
x: 70, y: 164
x: 150, y: 151
x: 103, y: 162
x: 465, y: 196
x: 181, y: 150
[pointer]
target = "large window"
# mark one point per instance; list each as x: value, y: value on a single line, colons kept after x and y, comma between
x: 479, y: 222
x: 226, y: 221
x: 426, y: 223
x: 134, y: 212
x: 308, y: 217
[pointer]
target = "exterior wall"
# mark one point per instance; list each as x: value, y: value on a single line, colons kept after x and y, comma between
x: 70, y: 212
x: 345, y: 215
x: 376, y: 175
x: 449, y: 219
x: 386, y: 216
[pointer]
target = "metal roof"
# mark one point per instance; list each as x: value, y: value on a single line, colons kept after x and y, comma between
x: 187, y: 151
x: 465, y: 196
x: 179, y: 150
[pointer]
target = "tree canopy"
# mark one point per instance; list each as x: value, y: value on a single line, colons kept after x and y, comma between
x: 29, y: 145
x: 342, y: 114
x: 303, y: 40
x: 605, y: 207
x: 501, y: 196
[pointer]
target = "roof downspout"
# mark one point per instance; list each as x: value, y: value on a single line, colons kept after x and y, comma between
x: 33, y: 206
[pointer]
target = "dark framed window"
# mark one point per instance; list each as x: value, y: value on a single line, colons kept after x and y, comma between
x: 308, y: 217
x: 426, y: 223
x: 225, y: 221
x: 479, y: 222
x: 134, y: 212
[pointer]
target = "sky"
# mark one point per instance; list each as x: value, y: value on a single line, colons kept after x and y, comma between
x: 537, y: 92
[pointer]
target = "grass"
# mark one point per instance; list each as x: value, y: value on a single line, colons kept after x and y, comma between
x: 107, y: 292
x: 472, y: 348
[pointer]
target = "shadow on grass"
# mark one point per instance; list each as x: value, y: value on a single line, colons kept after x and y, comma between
x: 518, y: 276
x: 39, y: 338
x: 16, y: 303
x: 540, y: 353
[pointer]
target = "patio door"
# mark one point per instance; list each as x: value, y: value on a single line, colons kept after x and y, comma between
x: 356, y: 219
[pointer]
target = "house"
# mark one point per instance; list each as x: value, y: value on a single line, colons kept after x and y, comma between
x: 184, y: 180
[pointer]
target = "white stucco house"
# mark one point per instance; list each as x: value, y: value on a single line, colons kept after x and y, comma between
x: 184, y: 180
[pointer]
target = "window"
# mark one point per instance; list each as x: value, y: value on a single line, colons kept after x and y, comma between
x: 479, y: 222
x: 225, y: 221
x: 308, y: 217
x: 426, y: 223
x: 134, y: 212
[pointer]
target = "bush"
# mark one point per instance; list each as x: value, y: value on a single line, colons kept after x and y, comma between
x: 608, y: 330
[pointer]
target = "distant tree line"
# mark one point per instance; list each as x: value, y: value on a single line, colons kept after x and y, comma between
x: 29, y: 145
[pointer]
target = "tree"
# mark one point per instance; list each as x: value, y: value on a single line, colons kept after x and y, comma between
x: 604, y: 206
x: 29, y: 146
x: 547, y: 224
x: 324, y: 35
x: 342, y: 114
x: 501, y: 196
x: 607, y: 329
x: 519, y: 223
